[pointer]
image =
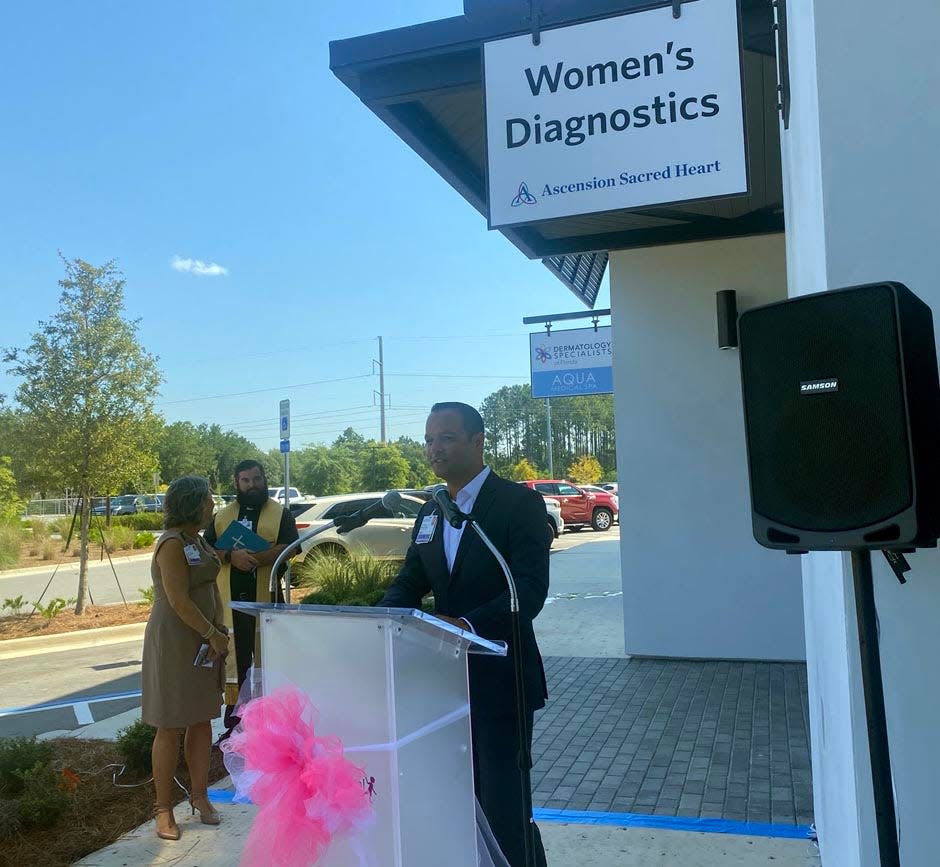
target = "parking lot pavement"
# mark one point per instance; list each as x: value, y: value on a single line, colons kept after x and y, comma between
x: 65, y: 689
x: 583, y: 615
x: 105, y: 585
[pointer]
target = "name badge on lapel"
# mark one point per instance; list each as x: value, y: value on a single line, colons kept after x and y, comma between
x: 426, y: 530
x: 193, y: 557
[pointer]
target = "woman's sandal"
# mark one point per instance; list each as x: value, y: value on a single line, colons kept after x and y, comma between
x: 208, y: 814
x: 173, y: 830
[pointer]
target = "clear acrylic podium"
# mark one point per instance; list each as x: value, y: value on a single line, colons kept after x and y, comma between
x: 392, y: 684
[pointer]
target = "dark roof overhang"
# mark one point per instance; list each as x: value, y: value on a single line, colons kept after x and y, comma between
x: 425, y: 83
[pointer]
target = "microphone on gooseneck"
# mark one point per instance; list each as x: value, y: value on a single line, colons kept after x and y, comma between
x: 452, y: 514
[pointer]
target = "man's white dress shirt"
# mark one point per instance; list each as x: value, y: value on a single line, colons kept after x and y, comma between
x: 465, y: 500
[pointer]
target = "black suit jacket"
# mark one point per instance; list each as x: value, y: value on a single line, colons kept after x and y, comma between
x: 513, y: 517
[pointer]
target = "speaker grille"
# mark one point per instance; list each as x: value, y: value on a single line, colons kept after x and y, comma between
x: 826, y: 461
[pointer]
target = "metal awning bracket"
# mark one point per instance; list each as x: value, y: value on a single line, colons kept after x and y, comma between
x: 783, y: 61
x: 535, y: 17
x: 676, y: 8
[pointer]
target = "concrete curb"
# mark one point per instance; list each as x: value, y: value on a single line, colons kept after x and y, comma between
x: 79, y: 640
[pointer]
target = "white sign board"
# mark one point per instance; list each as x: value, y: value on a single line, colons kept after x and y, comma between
x: 624, y: 112
x: 577, y: 361
x: 283, y: 428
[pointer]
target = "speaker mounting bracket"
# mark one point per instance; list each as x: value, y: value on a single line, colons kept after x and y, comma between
x: 783, y: 61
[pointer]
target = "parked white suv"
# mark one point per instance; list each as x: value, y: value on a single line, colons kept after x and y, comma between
x: 556, y: 523
x: 385, y: 538
x: 278, y: 494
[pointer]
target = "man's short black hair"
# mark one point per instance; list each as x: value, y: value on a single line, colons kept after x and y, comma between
x: 472, y: 420
x: 250, y: 464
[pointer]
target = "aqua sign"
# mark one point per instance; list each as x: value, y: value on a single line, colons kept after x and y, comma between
x: 573, y: 362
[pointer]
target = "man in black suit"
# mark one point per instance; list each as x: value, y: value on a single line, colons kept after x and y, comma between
x: 470, y: 591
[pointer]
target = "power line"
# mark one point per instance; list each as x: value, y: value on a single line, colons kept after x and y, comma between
x: 263, y: 390
x: 454, y: 376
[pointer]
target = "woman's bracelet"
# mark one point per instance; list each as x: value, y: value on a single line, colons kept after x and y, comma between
x: 212, y: 631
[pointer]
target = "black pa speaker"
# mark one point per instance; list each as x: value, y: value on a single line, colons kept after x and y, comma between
x: 842, y: 419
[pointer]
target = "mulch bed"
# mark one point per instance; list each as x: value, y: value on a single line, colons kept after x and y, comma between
x: 94, y: 617
x: 100, y: 812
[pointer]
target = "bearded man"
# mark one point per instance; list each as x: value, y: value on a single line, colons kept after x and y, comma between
x: 246, y: 576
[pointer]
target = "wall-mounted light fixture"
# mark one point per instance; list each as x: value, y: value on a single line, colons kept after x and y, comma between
x: 727, y: 319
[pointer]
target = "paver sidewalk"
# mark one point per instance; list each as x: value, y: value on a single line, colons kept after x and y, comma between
x: 689, y: 738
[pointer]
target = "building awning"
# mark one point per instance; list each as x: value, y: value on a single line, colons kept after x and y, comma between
x: 425, y: 82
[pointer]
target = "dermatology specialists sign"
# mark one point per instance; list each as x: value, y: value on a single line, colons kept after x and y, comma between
x: 578, y: 361
x: 619, y: 113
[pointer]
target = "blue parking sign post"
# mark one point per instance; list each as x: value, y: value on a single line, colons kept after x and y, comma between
x: 284, y: 433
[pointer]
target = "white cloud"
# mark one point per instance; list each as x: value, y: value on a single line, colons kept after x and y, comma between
x: 197, y: 266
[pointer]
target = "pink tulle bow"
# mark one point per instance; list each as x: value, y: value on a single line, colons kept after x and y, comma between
x: 306, y: 790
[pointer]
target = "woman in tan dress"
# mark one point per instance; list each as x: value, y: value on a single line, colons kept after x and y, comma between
x: 187, y: 613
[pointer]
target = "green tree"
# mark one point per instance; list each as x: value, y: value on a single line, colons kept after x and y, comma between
x: 325, y: 470
x: 228, y: 450
x: 522, y: 471
x: 183, y: 450
x: 585, y: 470
x: 383, y: 467
x: 419, y: 470
x: 10, y: 503
x: 273, y: 462
x: 87, y: 392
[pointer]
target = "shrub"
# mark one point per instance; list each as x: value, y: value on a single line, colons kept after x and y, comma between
x: 18, y: 755
x: 39, y: 528
x: 118, y: 538
x: 11, y: 543
x: 144, y: 540
x: 9, y: 818
x: 60, y: 526
x: 53, y: 607
x: 15, y: 605
x: 49, y: 548
x: 135, y: 744
x: 123, y: 538
x: 140, y: 521
x: 146, y: 594
x: 354, y: 579
x: 42, y: 801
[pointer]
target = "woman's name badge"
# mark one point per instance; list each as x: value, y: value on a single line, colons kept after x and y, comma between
x: 193, y: 557
x: 426, y: 530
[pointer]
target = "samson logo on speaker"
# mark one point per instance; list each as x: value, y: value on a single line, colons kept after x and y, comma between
x: 818, y: 386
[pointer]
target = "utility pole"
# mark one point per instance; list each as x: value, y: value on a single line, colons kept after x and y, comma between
x: 381, y: 392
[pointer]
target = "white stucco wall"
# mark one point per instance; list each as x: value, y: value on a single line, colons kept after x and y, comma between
x: 861, y: 178
x: 695, y: 582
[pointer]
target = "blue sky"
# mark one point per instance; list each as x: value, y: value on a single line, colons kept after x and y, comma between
x: 215, y: 133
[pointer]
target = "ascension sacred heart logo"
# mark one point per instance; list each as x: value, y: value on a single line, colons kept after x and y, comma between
x: 523, y: 197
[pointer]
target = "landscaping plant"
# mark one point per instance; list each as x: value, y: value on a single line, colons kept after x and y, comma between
x: 18, y: 755
x: 144, y: 540
x: 354, y: 579
x: 15, y: 605
x: 53, y: 607
x: 135, y: 744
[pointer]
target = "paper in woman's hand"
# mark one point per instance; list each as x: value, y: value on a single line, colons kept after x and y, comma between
x: 202, y: 657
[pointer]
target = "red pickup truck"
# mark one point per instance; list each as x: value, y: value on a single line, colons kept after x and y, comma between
x: 579, y: 508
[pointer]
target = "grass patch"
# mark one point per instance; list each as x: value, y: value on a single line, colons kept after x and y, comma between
x: 11, y: 543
